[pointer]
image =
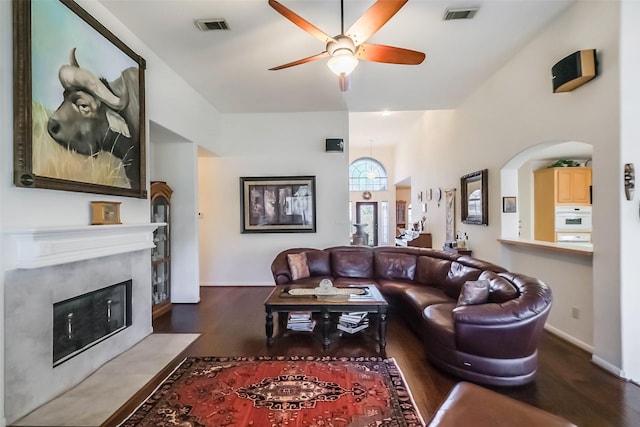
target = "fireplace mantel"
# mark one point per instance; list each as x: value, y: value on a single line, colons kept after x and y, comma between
x: 47, y: 246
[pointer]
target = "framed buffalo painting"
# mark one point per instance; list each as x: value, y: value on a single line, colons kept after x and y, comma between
x: 79, y: 119
x: 278, y: 204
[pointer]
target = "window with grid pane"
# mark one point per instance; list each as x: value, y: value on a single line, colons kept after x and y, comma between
x: 366, y: 173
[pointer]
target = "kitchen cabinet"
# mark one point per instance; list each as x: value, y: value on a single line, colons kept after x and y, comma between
x: 570, y: 186
x: 573, y: 186
x: 565, y: 186
x: 161, y: 254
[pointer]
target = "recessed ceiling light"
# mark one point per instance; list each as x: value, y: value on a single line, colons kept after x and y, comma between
x: 386, y: 113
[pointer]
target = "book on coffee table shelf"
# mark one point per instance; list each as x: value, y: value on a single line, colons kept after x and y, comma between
x: 300, y: 321
x: 353, y: 322
x: 365, y: 296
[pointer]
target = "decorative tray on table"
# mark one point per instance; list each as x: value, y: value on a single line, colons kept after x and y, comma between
x: 326, y: 288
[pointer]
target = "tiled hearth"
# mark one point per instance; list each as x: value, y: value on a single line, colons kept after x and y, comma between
x: 55, y: 264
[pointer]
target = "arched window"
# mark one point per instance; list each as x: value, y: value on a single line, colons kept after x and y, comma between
x: 366, y: 173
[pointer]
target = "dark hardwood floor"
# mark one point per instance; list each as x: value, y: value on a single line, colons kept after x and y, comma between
x: 231, y: 321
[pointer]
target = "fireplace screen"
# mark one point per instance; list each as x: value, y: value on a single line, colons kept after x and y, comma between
x: 85, y: 320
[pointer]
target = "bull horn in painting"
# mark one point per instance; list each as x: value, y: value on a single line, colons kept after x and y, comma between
x: 72, y: 76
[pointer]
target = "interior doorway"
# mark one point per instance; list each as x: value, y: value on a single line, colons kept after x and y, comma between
x: 367, y: 213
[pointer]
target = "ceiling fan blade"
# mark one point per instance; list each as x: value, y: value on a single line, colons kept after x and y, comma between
x: 373, y: 19
x: 301, y: 61
x: 301, y: 22
x: 389, y: 54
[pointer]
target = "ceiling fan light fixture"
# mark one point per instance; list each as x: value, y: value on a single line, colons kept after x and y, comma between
x: 342, y: 63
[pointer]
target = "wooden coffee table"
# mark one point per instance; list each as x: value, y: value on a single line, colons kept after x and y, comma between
x: 280, y: 301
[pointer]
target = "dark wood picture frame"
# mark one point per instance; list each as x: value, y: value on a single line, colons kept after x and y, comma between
x: 54, y: 156
x: 278, y: 204
x: 474, y: 197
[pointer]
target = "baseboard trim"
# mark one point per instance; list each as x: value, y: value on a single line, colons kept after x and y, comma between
x: 242, y: 284
x: 600, y: 362
x: 185, y: 300
x: 570, y: 338
x: 608, y: 366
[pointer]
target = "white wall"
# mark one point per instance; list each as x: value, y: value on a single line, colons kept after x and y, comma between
x: 170, y: 102
x: 175, y: 162
x: 286, y: 144
x: 516, y: 109
x: 630, y: 153
x: 429, y: 156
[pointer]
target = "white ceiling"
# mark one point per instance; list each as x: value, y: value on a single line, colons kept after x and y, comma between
x: 230, y: 68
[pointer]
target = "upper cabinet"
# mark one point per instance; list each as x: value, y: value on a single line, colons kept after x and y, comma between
x: 573, y: 186
x: 567, y: 186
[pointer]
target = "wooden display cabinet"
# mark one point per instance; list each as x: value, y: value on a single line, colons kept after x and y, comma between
x: 161, y: 254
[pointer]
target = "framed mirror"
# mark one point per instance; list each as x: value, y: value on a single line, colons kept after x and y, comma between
x: 473, y: 197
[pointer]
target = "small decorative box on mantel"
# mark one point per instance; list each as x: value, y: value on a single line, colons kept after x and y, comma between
x: 105, y: 213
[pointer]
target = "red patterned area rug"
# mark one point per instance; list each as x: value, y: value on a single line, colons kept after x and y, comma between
x: 281, y: 391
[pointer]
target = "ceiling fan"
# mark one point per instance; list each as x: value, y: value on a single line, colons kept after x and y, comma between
x: 345, y: 49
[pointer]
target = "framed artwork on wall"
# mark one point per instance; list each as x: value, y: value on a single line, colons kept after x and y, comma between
x: 280, y: 204
x: 509, y: 204
x: 474, y: 197
x: 450, y: 228
x: 79, y: 118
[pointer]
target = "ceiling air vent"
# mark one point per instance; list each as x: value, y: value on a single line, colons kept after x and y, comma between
x: 452, y: 14
x: 212, y: 24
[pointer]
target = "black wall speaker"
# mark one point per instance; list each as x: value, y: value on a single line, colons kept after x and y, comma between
x: 574, y: 70
x: 335, y: 145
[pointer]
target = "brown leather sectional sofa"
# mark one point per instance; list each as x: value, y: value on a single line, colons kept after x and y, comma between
x: 492, y: 343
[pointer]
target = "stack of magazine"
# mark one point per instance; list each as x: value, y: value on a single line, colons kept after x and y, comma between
x: 300, y: 321
x: 364, y: 296
x: 353, y: 322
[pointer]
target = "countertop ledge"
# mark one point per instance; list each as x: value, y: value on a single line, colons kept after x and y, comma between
x: 573, y: 248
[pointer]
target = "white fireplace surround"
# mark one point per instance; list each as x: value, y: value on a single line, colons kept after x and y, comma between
x: 45, y: 265
x: 42, y: 247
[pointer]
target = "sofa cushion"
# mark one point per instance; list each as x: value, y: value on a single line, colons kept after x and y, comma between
x: 394, y: 287
x: 424, y: 296
x: 348, y: 281
x: 311, y: 282
x: 500, y: 289
x: 298, y: 265
x: 438, y: 324
x: 319, y: 262
x: 432, y: 271
x: 389, y: 265
x: 352, y: 263
x: 474, y: 292
x: 457, y: 275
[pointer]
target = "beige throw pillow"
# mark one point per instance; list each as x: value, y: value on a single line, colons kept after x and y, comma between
x: 474, y: 292
x: 298, y: 265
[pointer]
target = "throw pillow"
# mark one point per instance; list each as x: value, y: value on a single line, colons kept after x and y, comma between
x: 474, y: 292
x: 298, y: 265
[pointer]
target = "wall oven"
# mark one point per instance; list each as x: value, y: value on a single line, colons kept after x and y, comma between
x: 573, y: 219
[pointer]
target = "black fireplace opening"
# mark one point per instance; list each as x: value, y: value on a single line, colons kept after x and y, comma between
x: 83, y: 321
